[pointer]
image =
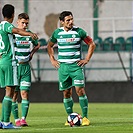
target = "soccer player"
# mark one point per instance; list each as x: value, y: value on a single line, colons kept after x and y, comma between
x: 8, y: 65
x: 70, y: 64
x: 23, y: 55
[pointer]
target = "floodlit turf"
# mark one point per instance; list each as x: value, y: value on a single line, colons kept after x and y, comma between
x: 104, y: 117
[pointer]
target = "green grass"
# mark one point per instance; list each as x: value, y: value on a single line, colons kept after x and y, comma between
x: 104, y: 117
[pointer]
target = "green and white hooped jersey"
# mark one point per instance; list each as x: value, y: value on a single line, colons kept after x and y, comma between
x: 69, y: 43
x: 6, y: 43
x: 23, y: 46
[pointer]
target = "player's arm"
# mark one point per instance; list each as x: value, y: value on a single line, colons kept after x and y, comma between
x: 91, y: 47
x: 50, y: 49
x: 35, y: 48
x: 24, y: 33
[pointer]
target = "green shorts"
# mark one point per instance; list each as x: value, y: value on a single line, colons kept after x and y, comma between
x: 70, y: 75
x: 24, y: 77
x: 8, y: 75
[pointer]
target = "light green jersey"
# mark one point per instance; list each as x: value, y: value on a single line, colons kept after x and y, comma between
x: 69, y: 43
x: 23, y: 46
x: 6, y: 43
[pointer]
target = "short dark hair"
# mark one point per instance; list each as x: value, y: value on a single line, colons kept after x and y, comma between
x: 64, y: 14
x: 8, y: 11
x: 23, y: 16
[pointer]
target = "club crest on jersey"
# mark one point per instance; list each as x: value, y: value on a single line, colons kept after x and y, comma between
x: 27, y: 39
x: 73, y: 36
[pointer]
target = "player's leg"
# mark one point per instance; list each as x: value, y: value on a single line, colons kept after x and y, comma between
x: 2, y: 85
x: 65, y: 84
x: 7, y: 103
x: 83, y: 100
x: 24, y: 107
x: 77, y: 75
x: 15, y: 107
x: 10, y: 83
x: 68, y: 101
x: 25, y: 84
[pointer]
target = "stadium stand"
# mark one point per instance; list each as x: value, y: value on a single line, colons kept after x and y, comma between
x: 128, y: 45
x: 43, y: 44
x: 99, y: 44
x: 119, y: 44
x: 108, y: 44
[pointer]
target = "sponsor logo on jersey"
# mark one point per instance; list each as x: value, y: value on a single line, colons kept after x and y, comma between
x: 22, y: 42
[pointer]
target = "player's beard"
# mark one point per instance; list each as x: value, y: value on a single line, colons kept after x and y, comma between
x: 70, y: 27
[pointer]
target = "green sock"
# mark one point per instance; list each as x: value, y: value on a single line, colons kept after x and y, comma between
x: 2, y: 115
x: 83, y: 100
x: 15, y: 110
x: 7, y: 104
x: 68, y: 103
x: 25, y: 108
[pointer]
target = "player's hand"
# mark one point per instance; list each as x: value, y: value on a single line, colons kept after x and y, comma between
x: 34, y: 36
x: 55, y: 63
x: 82, y: 62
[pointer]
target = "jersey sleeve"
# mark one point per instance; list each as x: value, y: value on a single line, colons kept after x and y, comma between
x: 53, y: 37
x: 82, y: 33
x: 34, y: 42
x: 8, y: 27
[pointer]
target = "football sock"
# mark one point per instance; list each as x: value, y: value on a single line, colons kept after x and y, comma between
x: 25, y: 107
x: 15, y: 110
x: 83, y: 100
x: 7, y: 103
x: 68, y: 104
x: 2, y: 114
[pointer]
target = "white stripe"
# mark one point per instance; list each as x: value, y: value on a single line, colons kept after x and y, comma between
x: 12, y: 45
x: 23, y: 58
x: 17, y: 35
x: 68, y: 60
x: 69, y: 53
x: 22, y: 49
x: 15, y: 75
x: 65, y: 33
x: 73, y: 46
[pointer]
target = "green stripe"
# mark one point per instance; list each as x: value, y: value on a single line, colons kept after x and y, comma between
x: 22, y: 53
x: 23, y: 46
x: 69, y: 50
x: 69, y: 57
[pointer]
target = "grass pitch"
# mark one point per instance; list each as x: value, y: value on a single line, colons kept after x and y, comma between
x: 104, y: 117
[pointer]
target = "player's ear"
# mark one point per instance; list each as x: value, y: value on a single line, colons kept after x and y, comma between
x: 62, y: 22
x: 17, y: 21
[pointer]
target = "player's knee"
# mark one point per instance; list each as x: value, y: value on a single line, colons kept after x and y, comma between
x: 80, y: 91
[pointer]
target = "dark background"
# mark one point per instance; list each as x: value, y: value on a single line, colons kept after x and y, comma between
x: 118, y: 92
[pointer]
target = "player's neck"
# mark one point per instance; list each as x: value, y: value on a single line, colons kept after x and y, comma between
x: 10, y: 20
x: 67, y: 29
